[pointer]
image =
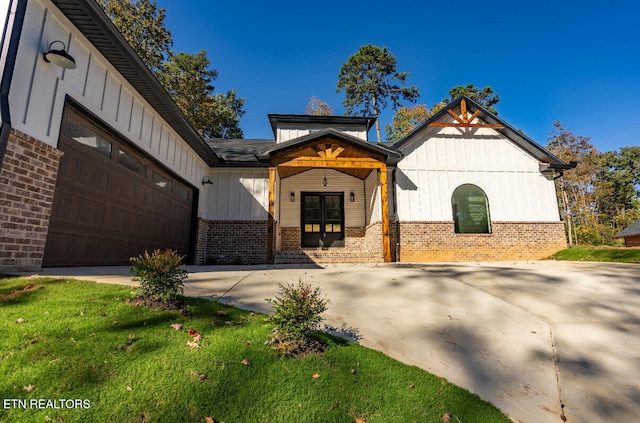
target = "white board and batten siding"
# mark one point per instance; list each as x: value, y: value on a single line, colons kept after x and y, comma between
x: 237, y: 194
x: 438, y: 161
x: 286, y: 132
x: 38, y: 91
x: 312, y: 181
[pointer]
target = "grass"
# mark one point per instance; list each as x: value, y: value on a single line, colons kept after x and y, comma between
x: 82, y: 341
x: 602, y: 254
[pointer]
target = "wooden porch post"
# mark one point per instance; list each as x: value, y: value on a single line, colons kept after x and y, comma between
x: 270, y: 218
x: 386, y: 244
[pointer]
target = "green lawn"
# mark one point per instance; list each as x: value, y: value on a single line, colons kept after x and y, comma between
x: 604, y: 254
x: 82, y: 341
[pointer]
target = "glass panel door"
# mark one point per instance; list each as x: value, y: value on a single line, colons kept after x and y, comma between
x: 322, y: 220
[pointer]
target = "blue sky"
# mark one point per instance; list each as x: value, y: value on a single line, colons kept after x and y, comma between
x: 573, y: 61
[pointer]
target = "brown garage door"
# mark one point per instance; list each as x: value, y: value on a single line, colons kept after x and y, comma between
x: 111, y: 202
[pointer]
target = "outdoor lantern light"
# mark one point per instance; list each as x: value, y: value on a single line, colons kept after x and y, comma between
x: 352, y: 197
x: 293, y: 197
x: 60, y: 57
x: 206, y: 180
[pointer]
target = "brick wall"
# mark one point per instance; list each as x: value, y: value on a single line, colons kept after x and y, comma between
x: 27, y: 185
x: 436, y: 241
x: 362, y: 245
x: 234, y: 242
x: 200, y: 256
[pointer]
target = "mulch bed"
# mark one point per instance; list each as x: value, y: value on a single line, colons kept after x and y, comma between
x: 176, y: 304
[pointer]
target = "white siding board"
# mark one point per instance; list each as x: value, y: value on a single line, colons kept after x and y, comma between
x: 312, y: 181
x: 240, y: 194
x: 110, y: 97
x: 437, y: 162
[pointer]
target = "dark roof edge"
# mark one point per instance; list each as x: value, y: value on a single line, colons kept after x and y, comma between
x: 392, y: 156
x: 87, y: 14
x: 288, y: 118
x: 509, y: 131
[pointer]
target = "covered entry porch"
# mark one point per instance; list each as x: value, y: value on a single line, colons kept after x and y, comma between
x: 328, y: 200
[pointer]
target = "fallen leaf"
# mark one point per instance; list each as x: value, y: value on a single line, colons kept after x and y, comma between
x: 252, y: 314
x: 446, y: 418
x: 209, y: 420
x: 412, y: 386
x: 359, y: 420
x: 193, y: 333
x: 246, y: 362
x: 221, y: 312
x: 176, y: 326
x: 132, y: 336
x: 54, y: 361
x: 246, y: 342
x: 212, y: 323
x: 29, y: 388
x: 315, y: 375
x: 129, y: 388
x: 203, y: 376
x: 353, y: 371
x: 228, y: 322
x: 299, y: 405
x: 197, y: 338
x: 20, y: 320
x: 193, y: 344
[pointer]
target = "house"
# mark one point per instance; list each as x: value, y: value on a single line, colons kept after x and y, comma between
x: 97, y: 164
x: 631, y: 234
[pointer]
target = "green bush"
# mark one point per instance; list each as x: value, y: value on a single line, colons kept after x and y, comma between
x: 296, y: 315
x: 159, y: 275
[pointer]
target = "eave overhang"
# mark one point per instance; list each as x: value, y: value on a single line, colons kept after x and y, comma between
x: 96, y: 26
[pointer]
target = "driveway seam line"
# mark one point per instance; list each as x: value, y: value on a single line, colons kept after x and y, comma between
x: 235, y: 284
x: 557, y: 371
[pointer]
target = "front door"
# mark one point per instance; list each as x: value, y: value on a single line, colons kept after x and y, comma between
x: 322, y: 219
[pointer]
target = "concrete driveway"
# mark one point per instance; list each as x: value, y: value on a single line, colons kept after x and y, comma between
x: 543, y: 341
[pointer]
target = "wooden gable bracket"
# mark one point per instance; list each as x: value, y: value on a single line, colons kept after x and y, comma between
x: 464, y: 121
x: 329, y: 153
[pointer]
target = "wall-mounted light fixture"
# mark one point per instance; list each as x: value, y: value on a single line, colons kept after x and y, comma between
x: 206, y: 180
x: 352, y: 197
x: 293, y: 197
x: 59, y: 57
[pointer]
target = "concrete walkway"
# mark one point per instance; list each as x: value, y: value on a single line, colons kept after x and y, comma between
x: 542, y: 341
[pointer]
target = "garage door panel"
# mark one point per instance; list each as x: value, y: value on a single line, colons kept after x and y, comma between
x: 103, y: 213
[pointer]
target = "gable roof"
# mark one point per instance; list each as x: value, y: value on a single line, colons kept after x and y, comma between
x: 391, y: 156
x: 631, y: 230
x: 517, y: 137
x: 96, y: 26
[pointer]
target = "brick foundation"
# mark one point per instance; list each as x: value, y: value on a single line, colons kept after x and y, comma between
x: 27, y: 185
x: 436, y: 241
x: 232, y: 242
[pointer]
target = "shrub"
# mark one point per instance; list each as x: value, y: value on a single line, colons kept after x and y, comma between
x: 296, y: 315
x: 159, y: 275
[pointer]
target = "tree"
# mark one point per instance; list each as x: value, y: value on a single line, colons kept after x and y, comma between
x: 317, y: 107
x: 406, y: 120
x: 188, y: 79
x: 576, y: 188
x: 370, y: 79
x: 617, y: 192
x: 484, y: 97
x: 142, y: 25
